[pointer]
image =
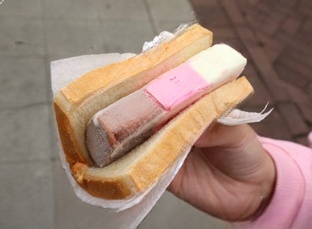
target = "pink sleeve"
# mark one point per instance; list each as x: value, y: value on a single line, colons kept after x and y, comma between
x: 291, y: 204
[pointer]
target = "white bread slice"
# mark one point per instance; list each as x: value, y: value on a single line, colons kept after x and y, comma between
x: 143, y: 166
x: 75, y: 104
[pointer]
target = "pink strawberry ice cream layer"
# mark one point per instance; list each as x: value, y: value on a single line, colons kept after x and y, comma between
x: 177, y: 86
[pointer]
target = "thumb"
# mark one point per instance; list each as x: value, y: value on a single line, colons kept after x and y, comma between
x: 225, y: 136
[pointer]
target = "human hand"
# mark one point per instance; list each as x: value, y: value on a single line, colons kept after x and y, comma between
x: 228, y: 174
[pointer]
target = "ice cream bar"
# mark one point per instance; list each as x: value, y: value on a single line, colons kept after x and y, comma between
x: 115, y: 130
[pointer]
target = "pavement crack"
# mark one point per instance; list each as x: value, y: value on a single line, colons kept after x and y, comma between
x: 27, y: 106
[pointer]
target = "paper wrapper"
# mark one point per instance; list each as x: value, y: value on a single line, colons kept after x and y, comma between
x: 124, y: 213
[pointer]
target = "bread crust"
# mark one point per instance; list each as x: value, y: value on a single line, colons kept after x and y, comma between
x: 162, y: 150
x: 75, y: 104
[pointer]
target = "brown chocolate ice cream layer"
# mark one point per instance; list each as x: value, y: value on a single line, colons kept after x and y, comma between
x: 122, y: 126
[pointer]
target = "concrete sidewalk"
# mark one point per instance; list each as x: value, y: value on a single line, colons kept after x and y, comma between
x: 34, y: 190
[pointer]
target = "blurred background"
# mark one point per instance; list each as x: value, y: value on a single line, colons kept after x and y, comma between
x: 275, y: 36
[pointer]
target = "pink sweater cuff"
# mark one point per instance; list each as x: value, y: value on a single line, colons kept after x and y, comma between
x: 289, y: 192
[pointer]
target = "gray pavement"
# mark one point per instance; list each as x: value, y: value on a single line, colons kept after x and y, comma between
x: 34, y: 191
x: 275, y: 37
